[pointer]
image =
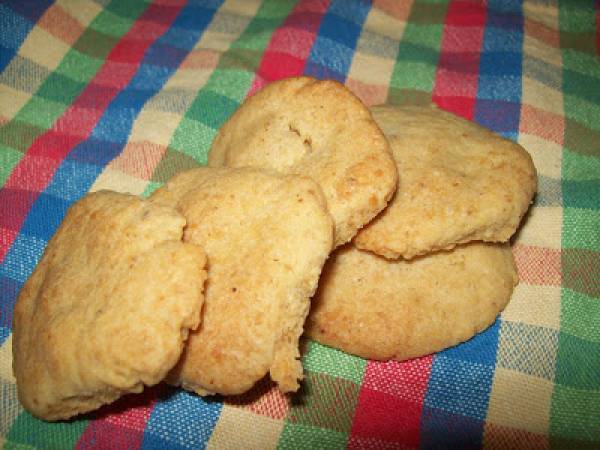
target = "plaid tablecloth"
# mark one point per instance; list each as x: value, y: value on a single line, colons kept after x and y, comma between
x: 123, y: 94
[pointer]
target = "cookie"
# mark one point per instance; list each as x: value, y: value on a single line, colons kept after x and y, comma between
x: 380, y: 309
x: 108, y: 308
x: 318, y: 129
x: 459, y: 182
x: 266, y: 236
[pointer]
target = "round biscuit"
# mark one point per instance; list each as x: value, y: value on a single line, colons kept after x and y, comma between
x: 266, y: 236
x: 380, y: 309
x: 318, y: 129
x: 108, y: 308
x: 459, y: 182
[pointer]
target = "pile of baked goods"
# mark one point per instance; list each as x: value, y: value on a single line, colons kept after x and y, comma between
x: 380, y: 232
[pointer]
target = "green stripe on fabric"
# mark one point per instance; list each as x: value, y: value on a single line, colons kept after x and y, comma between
x: 581, y: 271
x: 324, y: 402
x: 227, y: 85
x: 94, y: 43
x: 18, y: 135
x: 117, y: 17
x: 8, y: 160
x: 574, y: 416
x: 581, y: 76
x: 579, y: 137
x: 577, y: 26
x: 78, y: 66
x: 416, y: 64
x: 578, y: 363
x: 581, y: 194
x: 41, y: 112
x: 172, y: 163
x: 575, y: 405
x: 580, y: 316
x: 320, y: 358
x: 29, y: 431
x: 65, y: 83
x: 297, y: 436
x: 580, y: 167
x: 150, y: 188
x: 585, y: 224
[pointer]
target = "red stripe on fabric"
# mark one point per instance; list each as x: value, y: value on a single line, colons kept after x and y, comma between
x: 121, y: 424
x: 390, y: 403
x: 538, y: 265
x: 78, y: 121
x: 296, y: 35
x: 456, y: 79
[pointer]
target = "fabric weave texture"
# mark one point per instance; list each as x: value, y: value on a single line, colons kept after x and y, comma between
x: 108, y: 94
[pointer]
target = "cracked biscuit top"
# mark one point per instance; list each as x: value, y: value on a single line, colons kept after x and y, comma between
x: 321, y: 130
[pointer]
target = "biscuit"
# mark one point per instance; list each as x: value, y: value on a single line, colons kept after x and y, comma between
x: 266, y: 237
x: 460, y: 183
x: 108, y: 308
x: 381, y: 309
x: 317, y: 129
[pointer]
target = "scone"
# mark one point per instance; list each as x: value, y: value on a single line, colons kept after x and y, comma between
x: 108, y: 308
x: 380, y: 309
x: 318, y: 129
x: 266, y: 236
x: 460, y: 183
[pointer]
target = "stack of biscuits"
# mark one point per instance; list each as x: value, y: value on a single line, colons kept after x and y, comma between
x: 380, y: 232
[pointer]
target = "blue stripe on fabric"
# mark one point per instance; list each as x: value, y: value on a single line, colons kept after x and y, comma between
x: 457, y: 396
x: 17, y: 18
x: 181, y: 421
x: 333, y: 49
x: 499, y: 92
x: 22, y: 257
x: 481, y: 349
x: 4, y: 333
x: 9, y: 289
x: 459, y: 387
x: 445, y: 430
x: 18, y: 265
x: 107, y: 140
x: 461, y: 378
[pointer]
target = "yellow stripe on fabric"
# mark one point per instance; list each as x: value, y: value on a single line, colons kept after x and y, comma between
x: 11, y: 101
x: 238, y: 428
x: 546, y: 13
x: 542, y: 96
x: 118, y: 181
x: 6, y: 372
x: 520, y: 401
x: 11, y: 408
x: 542, y: 228
x: 546, y: 155
x: 83, y: 11
x: 43, y: 48
x: 370, y: 73
x: 537, y: 305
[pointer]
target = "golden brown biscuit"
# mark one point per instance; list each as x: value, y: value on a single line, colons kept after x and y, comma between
x: 460, y: 182
x: 321, y: 130
x: 266, y: 237
x: 108, y: 308
x: 381, y: 309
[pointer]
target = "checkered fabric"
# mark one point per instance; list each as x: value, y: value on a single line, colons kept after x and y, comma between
x: 123, y: 94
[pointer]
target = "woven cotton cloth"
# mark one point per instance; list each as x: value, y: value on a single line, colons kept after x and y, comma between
x: 99, y: 94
